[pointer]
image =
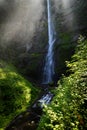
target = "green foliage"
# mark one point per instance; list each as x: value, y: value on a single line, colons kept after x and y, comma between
x: 16, y: 94
x: 68, y: 110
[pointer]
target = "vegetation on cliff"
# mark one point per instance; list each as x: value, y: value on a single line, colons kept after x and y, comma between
x: 16, y: 94
x: 68, y: 110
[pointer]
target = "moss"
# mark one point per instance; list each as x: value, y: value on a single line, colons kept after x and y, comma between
x: 16, y: 93
x: 36, y: 55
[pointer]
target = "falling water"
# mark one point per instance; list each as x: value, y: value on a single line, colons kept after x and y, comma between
x: 49, y: 63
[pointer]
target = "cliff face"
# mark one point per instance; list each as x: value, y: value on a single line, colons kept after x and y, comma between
x: 70, y: 21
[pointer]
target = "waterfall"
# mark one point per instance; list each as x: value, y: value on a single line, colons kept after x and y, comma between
x: 49, y: 61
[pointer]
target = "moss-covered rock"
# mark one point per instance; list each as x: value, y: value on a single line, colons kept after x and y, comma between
x: 16, y: 93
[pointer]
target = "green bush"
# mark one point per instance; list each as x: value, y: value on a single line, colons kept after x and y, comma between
x: 16, y: 94
x: 68, y: 110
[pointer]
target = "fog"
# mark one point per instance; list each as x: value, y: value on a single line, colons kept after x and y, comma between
x: 19, y: 19
x: 66, y: 8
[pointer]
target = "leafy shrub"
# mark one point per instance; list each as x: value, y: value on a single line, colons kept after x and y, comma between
x: 68, y: 110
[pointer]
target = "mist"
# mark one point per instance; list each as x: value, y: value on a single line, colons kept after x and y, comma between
x: 19, y: 19
x: 65, y: 7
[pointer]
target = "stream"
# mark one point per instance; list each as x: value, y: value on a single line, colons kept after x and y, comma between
x: 29, y: 120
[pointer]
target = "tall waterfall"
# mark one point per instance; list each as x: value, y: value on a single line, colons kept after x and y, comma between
x: 49, y: 61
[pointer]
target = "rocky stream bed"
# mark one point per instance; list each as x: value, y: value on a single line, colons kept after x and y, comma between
x: 30, y: 118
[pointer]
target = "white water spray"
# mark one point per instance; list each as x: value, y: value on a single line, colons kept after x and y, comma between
x: 49, y: 63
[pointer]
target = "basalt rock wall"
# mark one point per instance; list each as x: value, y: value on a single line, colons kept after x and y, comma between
x: 69, y: 23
